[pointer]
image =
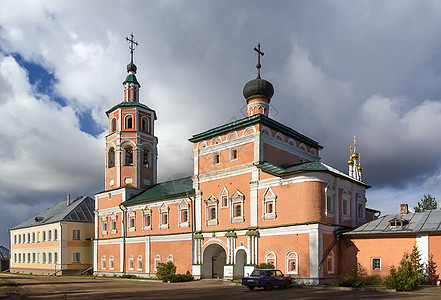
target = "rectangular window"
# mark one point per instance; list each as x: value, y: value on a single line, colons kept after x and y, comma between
x: 33, y: 237
x: 55, y: 234
x: 376, y: 263
x: 233, y: 154
x: 76, y: 235
x: 360, y: 211
x: 184, y: 216
x: 216, y: 158
x: 76, y: 257
x: 55, y: 257
x: 33, y: 258
x: 224, y: 201
x: 50, y: 235
x: 148, y: 220
x: 345, y: 207
x: 44, y: 236
x: 29, y: 237
x: 164, y: 218
x: 15, y: 239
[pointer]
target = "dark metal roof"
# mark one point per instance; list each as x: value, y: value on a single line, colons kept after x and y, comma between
x: 259, y: 118
x: 168, y: 189
x: 80, y: 209
x: 306, y: 167
x: 428, y: 221
x: 4, y: 253
x: 130, y: 104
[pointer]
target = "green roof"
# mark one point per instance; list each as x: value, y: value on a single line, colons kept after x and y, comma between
x: 131, y: 78
x: 259, y: 118
x: 79, y: 210
x: 168, y: 189
x: 305, y: 167
x: 130, y: 104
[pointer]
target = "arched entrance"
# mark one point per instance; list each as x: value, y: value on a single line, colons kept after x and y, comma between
x: 213, y: 262
x: 241, y: 258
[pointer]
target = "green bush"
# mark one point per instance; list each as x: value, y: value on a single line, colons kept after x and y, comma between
x: 264, y: 266
x: 409, y: 274
x: 167, y: 273
x: 354, y: 278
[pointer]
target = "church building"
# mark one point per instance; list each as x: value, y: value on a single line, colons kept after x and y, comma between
x: 259, y: 193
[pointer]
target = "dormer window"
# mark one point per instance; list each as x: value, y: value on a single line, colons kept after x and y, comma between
x: 396, y: 222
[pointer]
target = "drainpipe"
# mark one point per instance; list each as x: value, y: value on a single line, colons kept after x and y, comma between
x: 123, y: 220
x: 192, y: 227
x: 337, y: 234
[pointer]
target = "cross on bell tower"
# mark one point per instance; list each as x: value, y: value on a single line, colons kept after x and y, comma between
x: 132, y: 45
x: 259, y: 53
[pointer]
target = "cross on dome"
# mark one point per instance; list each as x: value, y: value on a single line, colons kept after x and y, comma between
x: 259, y: 53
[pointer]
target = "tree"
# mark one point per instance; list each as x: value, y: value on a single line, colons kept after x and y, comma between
x: 426, y: 203
x: 409, y: 274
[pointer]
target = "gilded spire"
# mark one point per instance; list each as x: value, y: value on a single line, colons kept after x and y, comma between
x: 354, y: 162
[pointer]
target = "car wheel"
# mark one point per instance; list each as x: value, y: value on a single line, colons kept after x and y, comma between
x: 251, y: 288
x: 267, y: 286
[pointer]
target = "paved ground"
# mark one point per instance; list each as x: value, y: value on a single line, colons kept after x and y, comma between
x: 44, y: 287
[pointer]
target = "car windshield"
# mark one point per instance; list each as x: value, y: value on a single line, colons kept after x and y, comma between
x: 257, y: 273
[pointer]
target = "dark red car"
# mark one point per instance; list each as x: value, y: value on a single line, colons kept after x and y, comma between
x: 267, y: 279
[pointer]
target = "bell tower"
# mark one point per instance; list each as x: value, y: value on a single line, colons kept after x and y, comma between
x: 131, y: 146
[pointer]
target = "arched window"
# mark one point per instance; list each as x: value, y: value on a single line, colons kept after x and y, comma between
x: 330, y: 262
x: 213, y: 213
x: 131, y: 263
x: 103, y: 262
x: 128, y: 155
x: 111, y: 158
x: 144, y: 124
x: 50, y: 258
x: 55, y: 257
x: 170, y: 258
x: 111, y: 263
x: 157, y: 261
x: 44, y: 257
x: 129, y: 122
x: 113, y: 126
x: 270, y: 258
x: 146, y: 157
x: 292, y: 263
x: 139, y: 263
x: 29, y: 257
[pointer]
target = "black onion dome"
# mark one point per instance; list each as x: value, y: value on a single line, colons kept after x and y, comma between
x: 258, y: 88
x: 131, y: 67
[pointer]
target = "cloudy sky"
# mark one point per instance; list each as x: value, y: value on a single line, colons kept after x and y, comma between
x: 339, y: 69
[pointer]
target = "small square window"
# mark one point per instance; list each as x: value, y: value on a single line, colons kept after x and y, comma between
x: 76, y: 234
x: 233, y: 154
x: 216, y: 158
x: 376, y: 263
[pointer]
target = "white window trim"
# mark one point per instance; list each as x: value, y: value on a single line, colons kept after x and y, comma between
x: 157, y: 261
x: 231, y: 153
x: 126, y: 118
x: 346, y: 197
x: 131, y: 214
x: 224, y: 193
x: 236, y: 198
x: 330, y: 192
x: 111, y: 261
x: 170, y: 258
x: 103, y: 262
x: 209, y: 203
x: 130, y: 262
x: 213, y: 158
x: 146, y: 212
x: 79, y: 257
x: 183, y: 206
x: 271, y: 256
x: 289, y: 259
x: 361, y: 200
x: 269, y: 197
x: 113, y: 217
x: 372, y: 263
x: 138, y: 261
x: 103, y: 221
x: 163, y: 209
x: 79, y: 234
